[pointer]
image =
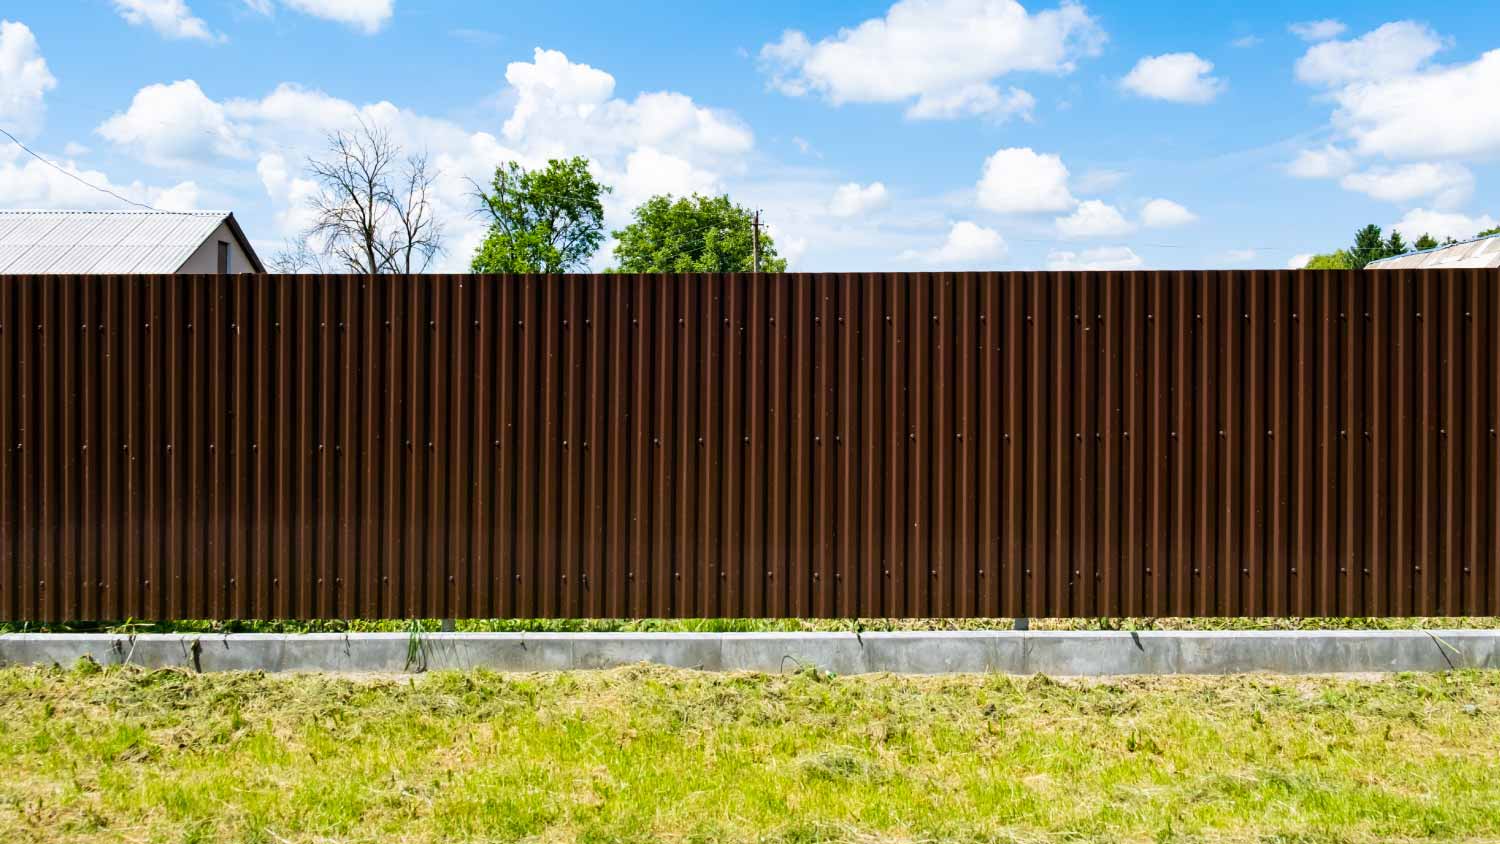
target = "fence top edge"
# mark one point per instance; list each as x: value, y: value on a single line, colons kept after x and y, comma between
x: 789, y: 276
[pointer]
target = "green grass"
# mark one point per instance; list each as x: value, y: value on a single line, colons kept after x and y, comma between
x: 651, y: 754
x: 751, y: 625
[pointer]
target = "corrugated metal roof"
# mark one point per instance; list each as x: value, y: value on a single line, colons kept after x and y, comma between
x: 94, y: 242
x: 1480, y: 253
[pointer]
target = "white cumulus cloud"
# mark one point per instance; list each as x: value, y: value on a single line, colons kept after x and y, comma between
x: 1392, y: 50
x: 570, y: 105
x: 552, y: 83
x: 167, y: 125
x: 1094, y: 218
x: 1019, y: 180
x: 969, y: 246
x: 853, y: 199
x: 1446, y: 112
x: 1448, y: 184
x: 1175, y: 77
x: 169, y: 18
x: 1299, y: 262
x: 1392, y: 101
x: 1320, y: 30
x: 942, y: 54
x: 24, y: 78
x: 649, y: 171
x: 1164, y: 213
x: 1103, y: 258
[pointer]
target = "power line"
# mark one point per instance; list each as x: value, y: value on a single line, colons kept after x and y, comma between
x: 80, y: 180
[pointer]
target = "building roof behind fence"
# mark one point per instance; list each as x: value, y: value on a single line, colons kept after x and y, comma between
x: 115, y: 242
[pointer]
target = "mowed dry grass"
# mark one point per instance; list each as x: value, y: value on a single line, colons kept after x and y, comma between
x: 650, y: 754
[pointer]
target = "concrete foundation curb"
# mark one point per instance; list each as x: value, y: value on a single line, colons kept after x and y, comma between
x: 1055, y: 653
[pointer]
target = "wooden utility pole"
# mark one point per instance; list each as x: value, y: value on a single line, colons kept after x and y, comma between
x: 755, y: 240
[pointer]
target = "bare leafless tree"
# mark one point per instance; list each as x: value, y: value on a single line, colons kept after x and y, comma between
x: 415, y: 238
x: 373, y: 210
x: 297, y: 256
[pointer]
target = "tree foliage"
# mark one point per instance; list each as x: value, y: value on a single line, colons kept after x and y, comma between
x: 692, y: 234
x: 1489, y: 232
x: 1336, y: 260
x: 541, y: 221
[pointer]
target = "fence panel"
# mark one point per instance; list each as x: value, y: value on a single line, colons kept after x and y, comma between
x: 831, y: 445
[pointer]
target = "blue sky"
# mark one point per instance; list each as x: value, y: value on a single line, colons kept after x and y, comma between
x: 921, y: 134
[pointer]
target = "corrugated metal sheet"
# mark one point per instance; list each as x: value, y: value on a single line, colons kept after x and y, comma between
x: 9, y: 222
x: 1481, y: 253
x: 101, y: 242
x: 975, y: 444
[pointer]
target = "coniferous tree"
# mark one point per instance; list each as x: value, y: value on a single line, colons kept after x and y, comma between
x: 1369, y: 245
x: 1395, y: 245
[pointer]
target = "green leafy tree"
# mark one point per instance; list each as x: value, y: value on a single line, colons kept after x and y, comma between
x: 541, y: 221
x: 707, y: 234
x: 1426, y: 241
x: 1488, y: 232
x: 1338, y: 260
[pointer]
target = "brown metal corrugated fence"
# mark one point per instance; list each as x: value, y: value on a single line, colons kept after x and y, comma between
x: 1015, y: 444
